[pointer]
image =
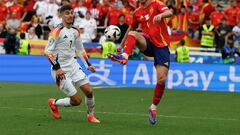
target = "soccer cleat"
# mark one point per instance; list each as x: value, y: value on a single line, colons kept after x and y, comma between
x: 54, y: 109
x: 117, y: 57
x: 152, y: 115
x: 92, y: 119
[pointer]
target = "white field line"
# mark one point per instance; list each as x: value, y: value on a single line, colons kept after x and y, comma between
x: 129, y: 114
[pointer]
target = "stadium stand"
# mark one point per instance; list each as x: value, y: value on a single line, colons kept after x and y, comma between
x: 187, y: 22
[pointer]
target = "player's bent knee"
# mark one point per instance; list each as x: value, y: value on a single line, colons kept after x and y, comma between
x: 162, y: 80
x: 133, y: 33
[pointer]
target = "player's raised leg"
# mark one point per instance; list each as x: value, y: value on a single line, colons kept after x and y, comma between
x: 90, y: 102
x: 133, y: 38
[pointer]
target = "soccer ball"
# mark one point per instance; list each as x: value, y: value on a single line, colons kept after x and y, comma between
x: 112, y: 32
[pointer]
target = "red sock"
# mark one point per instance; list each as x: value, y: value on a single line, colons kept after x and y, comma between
x: 129, y: 44
x: 158, y: 92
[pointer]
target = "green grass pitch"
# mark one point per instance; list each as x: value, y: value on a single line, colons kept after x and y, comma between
x: 122, y: 111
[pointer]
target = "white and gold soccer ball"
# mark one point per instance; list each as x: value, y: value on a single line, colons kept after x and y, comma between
x: 112, y: 32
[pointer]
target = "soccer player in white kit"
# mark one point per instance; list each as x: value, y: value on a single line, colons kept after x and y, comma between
x: 64, y: 42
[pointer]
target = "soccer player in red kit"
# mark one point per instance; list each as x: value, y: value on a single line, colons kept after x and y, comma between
x: 153, y: 41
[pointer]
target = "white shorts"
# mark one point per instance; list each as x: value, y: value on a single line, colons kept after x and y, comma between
x: 74, y: 77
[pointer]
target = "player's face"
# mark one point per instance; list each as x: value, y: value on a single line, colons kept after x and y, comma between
x: 67, y: 16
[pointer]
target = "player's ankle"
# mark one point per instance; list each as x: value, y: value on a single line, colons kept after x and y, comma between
x: 153, y: 107
x: 125, y: 55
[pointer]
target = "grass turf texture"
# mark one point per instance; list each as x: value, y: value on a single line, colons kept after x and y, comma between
x: 122, y: 111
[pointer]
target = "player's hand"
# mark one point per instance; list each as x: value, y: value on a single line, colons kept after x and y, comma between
x: 157, y: 18
x: 60, y: 74
x: 92, y: 69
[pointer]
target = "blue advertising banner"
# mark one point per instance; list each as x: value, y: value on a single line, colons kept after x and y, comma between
x: 185, y: 76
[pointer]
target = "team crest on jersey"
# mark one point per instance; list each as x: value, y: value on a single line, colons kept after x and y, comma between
x: 146, y: 17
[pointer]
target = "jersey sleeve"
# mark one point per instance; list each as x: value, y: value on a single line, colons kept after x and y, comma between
x: 52, y: 41
x: 50, y: 48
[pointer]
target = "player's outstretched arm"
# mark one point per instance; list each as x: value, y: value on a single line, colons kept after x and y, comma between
x: 161, y: 16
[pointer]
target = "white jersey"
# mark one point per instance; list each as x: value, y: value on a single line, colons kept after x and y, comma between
x: 64, y: 43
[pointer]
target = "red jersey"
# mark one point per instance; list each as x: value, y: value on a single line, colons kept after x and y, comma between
x: 207, y: 9
x: 3, y: 13
x: 16, y: 8
x: 238, y: 16
x: 231, y: 13
x: 113, y: 17
x: 157, y: 33
x: 216, y: 17
x: 194, y: 17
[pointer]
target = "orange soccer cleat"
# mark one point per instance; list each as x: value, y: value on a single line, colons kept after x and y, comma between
x: 54, y: 109
x: 118, y: 58
x: 152, y: 115
x: 92, y: 119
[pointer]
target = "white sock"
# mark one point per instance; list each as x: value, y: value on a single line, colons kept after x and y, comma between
x: 125, y: 55
x: 62, y: 102
x: 153, y: 107
x: 90, y: 102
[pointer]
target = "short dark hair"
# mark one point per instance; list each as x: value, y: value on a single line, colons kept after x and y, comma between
x: 65, y: 7
x: 22, y: 35
x: 121, y: 15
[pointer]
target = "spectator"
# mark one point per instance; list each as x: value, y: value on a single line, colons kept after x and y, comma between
x: 24, y: 46
x: 182, y: 19
x: 193, y: 23
x: 11, y: 42
x: 182, y: 52
x: 65, y: 2
x: 17, y: 8
x: 13, y: 22
x: 28, y: 10
x: 236, y: 35
x: 231, y: 13
x: 51, y: 10
x: 3, y: 31
x: 129, y: 17
x: 3, y: 12
x: 95, y: 11
x: 104, y: 11
x: 122, y: 26
x: 91, y: 25
x: 40, y: 7
x: 229, y: 51
x: 217, y: 15
x: 79, y: 13
x: 55, y: 21
x: 37, y: 26
x: 206, y: 10
x: 108, y: 46
x: 9, y: 3
x: 207, y: 34
x: 85, y: 37
x: 31, y: 35
x: 222, y: 31
x: 112, y: 16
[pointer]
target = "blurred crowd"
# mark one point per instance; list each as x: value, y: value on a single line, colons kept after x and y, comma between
x: 204, y: 20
